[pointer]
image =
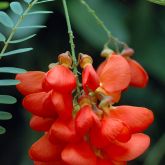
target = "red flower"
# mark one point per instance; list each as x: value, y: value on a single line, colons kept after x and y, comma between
x: 114, y: 74
x: 90, y: 80
x: 45, y: 151
x: 137, y: 118
x: 40, y: 104
x: 31, y: 82
x: 40, y: 123
x: 61, y: 79
x: 139, y: 77
x: 78, y: 154
x: 130, y: 150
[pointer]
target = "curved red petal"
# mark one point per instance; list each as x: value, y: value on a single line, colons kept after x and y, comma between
x: 84, y: 120
x: 114, y: 129
x: 43, y: 150
x: 61, y: 79
x: 63, y: 104
x: 90, y: 79
x: 130, y: 150
x: 31, y: 82
x: 137, y: 118
x: 39, y: 104
x: 41, y: 124
x: 139, y: 77
x: 115, y: 75
x: 64, y: 131
x: 78, y: 154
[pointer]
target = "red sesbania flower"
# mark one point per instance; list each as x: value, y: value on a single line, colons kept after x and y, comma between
x: 88, y: 129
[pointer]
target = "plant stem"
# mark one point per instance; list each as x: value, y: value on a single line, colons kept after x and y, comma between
x: 115, y: 40
x: 20, y: 19
x: 72, y: 45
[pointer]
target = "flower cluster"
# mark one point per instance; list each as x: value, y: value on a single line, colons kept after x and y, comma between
x: 85, y: 127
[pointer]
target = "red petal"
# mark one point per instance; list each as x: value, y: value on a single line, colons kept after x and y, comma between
x: 129, y: 150
x: 114, y: 129
x: 39, y: 104
x: 64, y: 131
x: 63, y: 104
x: 139, y: 77
x: 41, y: 124
x: 78, y: 154
x: 61, y: 79
x: 43, y: 150
x: 101, y: 67
x: 96, y: 137
x: 31, y: 82
x: 84, y: 120
x: 115, y: 76
x: 90, y: 79
x: 50, y: 163
x: 137, y: 118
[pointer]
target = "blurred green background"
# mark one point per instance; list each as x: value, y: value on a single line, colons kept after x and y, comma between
x: 139, y: 23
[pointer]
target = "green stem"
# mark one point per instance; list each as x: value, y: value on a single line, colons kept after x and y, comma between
x: 113, y: 39
x: 71, y: 41
x: 14, y: 29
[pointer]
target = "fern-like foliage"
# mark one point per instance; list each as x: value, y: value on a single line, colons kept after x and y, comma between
x: 22, y: 11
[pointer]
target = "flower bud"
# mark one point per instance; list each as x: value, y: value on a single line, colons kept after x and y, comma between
x: 127, y: 52
x: 106, y: 52
x: 85, y: 60
x: 65, y: 59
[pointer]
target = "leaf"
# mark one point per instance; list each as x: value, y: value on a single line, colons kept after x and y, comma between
x: 29, y: 27
x: 160, y: 2
x: 6, y: 20
x: 16, y: 7
x: 27, y: 1
x: 17, y: 51
x: 9, y: 82
x: 2, y: 38
x: 12, y: 70
x: 5, y: 115
x: 6, y: 99
x: 40, y: 12
x: 23, y: 39
x: 44, y: 1
x: 2, y: 130
x: 4, y: 5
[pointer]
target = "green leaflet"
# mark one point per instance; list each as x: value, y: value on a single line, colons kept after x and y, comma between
x: 23, y: 39
x: 2, y: 38
x: 4, y: 5
x: 40, y: 12
x: 160, y: 2
x: 8, y: 82
x: 16, y: 7
x: 2, y: 130
x: 5, y: 115
x: 6, y: 99
x: 17, y: 51
x: 11, y: 70
x: 6, y: 20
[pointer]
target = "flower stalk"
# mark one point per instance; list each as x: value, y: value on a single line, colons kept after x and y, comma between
x: 71, y: 41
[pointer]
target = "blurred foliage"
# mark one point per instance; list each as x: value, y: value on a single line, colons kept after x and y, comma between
x: 139, y: 23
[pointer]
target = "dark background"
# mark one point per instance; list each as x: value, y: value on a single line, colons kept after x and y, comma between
x: 139, y: 23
